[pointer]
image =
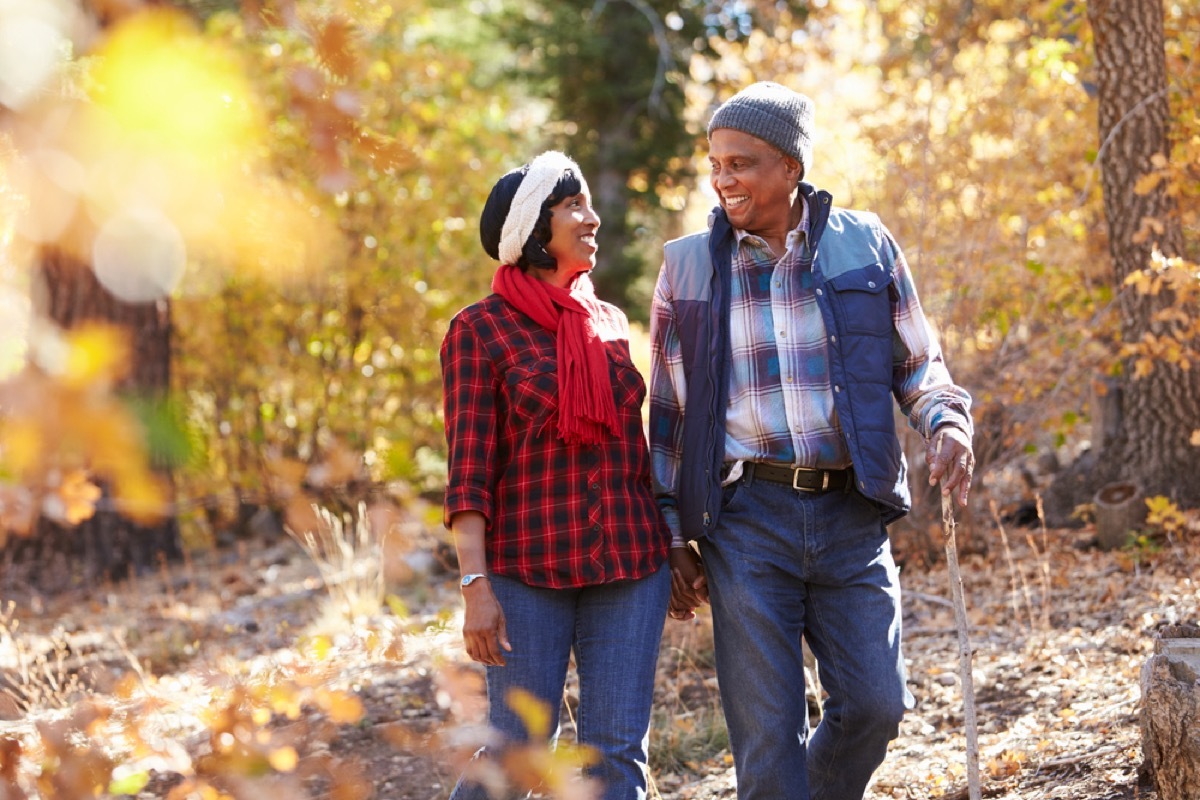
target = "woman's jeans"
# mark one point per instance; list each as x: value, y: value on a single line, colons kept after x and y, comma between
x: 782, y: 565
x: 615, y: 631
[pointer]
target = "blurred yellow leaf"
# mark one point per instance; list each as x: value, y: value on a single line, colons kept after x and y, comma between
x: 342, y: 707
x: 284, y: 700
x: 96, y: 354
x: 320, y: 647
x: 79, y: 496
x: 141, y: 496
x: 532, y: 711
x: 1147, y: 183
x: 167, y: 86
x: 284, y: 759
x: 20, y: 445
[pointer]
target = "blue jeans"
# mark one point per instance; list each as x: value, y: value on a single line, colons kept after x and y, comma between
x: 615, y: 630
x: 782, y: 565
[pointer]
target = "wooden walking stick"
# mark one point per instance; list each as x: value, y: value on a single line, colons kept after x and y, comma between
x: 964, y: 643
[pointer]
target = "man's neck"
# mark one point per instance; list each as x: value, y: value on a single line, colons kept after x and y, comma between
x: 776, y: 236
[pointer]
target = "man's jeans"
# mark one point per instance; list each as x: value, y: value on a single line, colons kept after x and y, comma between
x: 615, y: 631
x: 782, y: 565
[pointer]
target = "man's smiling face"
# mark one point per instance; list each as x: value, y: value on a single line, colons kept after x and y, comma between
x: 753, y: 180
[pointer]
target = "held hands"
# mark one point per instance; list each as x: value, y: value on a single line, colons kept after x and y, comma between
x: 484, y: 631
x: 689, y: 586
x: 951, y: 460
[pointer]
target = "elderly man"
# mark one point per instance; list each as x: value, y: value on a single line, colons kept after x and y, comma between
x: 785, y: 330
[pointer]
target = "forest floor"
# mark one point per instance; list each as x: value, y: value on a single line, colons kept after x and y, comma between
x: 238, y: 670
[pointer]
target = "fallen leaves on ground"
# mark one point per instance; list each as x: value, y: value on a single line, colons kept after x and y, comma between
x: 206, y: 675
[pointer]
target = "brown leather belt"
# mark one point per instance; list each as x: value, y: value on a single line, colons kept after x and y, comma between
x: 800, y: 478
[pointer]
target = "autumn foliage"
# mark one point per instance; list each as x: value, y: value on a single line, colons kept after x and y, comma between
x: 299, y: 183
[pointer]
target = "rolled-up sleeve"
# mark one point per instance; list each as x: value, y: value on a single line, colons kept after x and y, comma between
x: 469, y: 391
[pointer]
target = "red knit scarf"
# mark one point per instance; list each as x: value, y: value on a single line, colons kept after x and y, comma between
x: 586, y: 408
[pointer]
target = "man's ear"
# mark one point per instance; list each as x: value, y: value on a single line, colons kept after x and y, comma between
x: 794, y: 167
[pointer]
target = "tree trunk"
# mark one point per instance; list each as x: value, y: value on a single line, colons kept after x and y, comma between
x: 68, y: 294
x: 1159, y: 411
x: 1120, y: 511
x: 1171, y: 714
x: 614, y: 271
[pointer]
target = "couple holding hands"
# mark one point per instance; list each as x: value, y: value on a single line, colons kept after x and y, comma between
x: 787, y: 331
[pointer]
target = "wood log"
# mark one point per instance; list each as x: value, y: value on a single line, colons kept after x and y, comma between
x: 1170, y: 714
x: 1120, y: 511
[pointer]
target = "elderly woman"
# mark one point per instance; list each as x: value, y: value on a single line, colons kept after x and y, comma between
x: 560, y: 541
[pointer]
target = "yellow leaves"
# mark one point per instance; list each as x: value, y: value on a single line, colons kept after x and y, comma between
x: 320, y: 647
x: 1006, y: 764
x: 284, y: 759
x: 161, y: 82
x: 1164, y: 515
x: 21, y: 445
x: 63, y: 434
x: 75, y: 500
x: 342, y: 707
x: 536, y: 764
x: 532, y: 711
x: 130, y: 784
x: 97, y: 355
x: 1147, y: 183
x: 162, y: 164
x: 1175, y: 282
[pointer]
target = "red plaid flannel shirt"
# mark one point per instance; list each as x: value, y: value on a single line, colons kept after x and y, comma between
x: 558, y: 515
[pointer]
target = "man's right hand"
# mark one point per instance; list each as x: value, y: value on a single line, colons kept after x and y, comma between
x: 689, y: 586
x: 484, y: 631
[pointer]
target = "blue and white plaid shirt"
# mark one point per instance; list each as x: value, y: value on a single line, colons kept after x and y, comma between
x: 781, y: 407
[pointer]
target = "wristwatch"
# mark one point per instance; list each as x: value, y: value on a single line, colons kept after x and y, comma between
x: 467, y: 580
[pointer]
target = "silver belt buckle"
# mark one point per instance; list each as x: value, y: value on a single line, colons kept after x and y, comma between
x: 799, y: 488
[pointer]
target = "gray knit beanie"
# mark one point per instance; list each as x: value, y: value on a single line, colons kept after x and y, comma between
x: 773, y: 113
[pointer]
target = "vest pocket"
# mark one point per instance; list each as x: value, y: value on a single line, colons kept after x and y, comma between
x: 862, y: 300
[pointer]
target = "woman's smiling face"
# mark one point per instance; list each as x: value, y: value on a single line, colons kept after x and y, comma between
x: 573, y: 226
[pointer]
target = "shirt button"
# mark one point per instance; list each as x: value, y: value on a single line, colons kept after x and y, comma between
x: 788, y: 379
x: 595, y: 529
x: 871, y: 284
x: 837, y: 388
x: 596, y: 486
x: 833, y: 338
x: 819, y: 292
x: 783, y: 334
x: 778, y: 284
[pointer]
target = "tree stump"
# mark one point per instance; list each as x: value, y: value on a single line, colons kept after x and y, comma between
x: 1120, y: 509
x: 1171, y: 714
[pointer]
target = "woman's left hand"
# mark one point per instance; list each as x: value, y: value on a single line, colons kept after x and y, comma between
x: 484, y: 631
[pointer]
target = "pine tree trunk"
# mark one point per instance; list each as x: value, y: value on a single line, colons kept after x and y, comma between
x: 1159, y: 411
x: 107, y: 544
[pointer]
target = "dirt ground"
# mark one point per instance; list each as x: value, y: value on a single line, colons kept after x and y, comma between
x: 1059, y: 632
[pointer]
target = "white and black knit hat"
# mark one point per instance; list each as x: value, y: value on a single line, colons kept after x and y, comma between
x: 515, y: 204
x: 774, y: 113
